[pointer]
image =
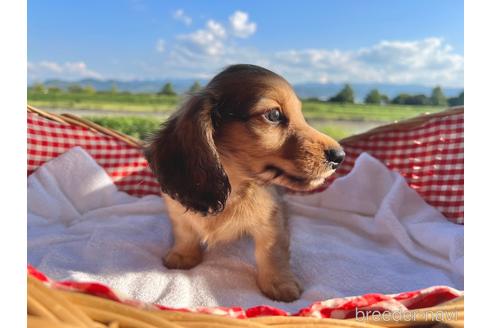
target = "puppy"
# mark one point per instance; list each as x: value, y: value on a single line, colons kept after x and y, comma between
x: 219, y: 159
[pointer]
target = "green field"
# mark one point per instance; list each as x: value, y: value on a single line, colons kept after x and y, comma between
x: 361, y: 112
x: 131, y: 102
x: 141, y: 127
x: 120, y: 109
x: 137, y: 127
x: 145, y: 102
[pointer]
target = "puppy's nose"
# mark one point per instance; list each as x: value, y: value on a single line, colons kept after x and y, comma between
x: 335, y: 157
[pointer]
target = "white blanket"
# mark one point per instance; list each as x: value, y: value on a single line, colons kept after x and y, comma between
x: 369, y: 232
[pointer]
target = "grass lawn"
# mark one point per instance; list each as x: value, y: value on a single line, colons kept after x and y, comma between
x: 144, y: 102
x: 327, y: 117
x: 336, y: 132
x: 137, y: 127
x: 362, y: 112
x: 141, y: 127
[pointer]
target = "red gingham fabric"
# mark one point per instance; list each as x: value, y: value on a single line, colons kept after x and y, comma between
x: 337, y: 308
x: 47, y: 139
x: 430, y: 157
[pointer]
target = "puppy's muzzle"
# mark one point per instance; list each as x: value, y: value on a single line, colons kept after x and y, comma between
x: 334, y: 157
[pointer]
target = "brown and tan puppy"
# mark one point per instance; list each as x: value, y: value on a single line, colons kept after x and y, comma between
x: 218, y: 160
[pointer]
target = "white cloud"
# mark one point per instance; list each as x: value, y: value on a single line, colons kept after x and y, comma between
x: 213, y: 40
x: 68, y: 70
x: 429, y: 61
x: 80, y: 69
x: 208, y: 41
x: 241, y: 27
x: 160, y: 46
x: 180, y: 15
x: 50, y: 66
x: 216, y: 28
x: 205, y: 51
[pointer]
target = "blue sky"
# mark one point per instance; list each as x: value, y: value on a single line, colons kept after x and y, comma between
x: 401, y: 42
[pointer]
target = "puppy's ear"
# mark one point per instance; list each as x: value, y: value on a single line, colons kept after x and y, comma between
x: 184, y: 159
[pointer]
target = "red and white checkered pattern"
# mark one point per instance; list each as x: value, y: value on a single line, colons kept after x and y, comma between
x: 338, y: 308
x: 429, y: 156
x: 125, y: 164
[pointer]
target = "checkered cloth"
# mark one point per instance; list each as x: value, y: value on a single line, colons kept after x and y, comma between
x: 429, y: 156
x: 337, y: 308
x: 125, y: 164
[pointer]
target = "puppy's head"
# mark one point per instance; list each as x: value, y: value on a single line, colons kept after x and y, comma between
x: 249, y: 119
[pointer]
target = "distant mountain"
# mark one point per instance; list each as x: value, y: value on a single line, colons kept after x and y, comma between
x: 303, y: 90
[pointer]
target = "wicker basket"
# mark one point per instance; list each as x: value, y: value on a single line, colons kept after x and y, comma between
x: 52, y: 307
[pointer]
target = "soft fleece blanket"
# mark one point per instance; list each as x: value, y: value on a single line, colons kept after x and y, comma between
x: 369, y: 232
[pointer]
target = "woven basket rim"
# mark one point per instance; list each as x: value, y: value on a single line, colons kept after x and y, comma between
x: 48, y: 306
x: 72, y: 119
x: 406, y: 124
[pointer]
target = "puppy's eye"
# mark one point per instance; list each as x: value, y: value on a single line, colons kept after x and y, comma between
x: 273, y: 115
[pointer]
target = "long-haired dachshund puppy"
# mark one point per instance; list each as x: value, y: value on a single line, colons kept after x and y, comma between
x: 219, y: 159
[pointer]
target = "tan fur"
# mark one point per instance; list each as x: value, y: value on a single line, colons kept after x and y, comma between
x: 246, y: 149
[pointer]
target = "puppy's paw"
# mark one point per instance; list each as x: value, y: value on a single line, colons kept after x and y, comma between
x: 177, y: 260
x: 280, y: 287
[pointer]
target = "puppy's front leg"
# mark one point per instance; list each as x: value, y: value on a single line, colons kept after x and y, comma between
x: 275, y: 278
x: 186, y: 252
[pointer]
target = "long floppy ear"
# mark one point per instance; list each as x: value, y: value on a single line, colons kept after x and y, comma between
x: 184, y: 159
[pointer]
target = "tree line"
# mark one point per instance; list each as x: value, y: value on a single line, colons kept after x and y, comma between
x: 436, y: 98
x: 167, y: 89
x: 345, y: 96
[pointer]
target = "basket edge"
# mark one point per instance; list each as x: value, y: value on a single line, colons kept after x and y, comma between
x: 78, y: 121
x: 406, y: 124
